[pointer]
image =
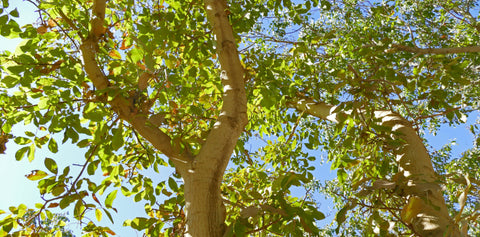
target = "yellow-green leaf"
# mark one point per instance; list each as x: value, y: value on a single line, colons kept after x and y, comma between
x: 36, y: 175
x: 98, y: 214
x: 22, y: 209
x: 31, y: 152
x: 110, y: 197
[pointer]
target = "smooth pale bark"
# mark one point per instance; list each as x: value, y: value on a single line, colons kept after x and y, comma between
x: 419, y: 182
x: 205, y: 211
x: 202, y: 175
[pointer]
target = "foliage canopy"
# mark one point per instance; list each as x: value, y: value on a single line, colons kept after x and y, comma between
x: 151, y: 83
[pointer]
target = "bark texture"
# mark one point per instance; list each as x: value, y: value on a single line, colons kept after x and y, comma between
x: 204, y: 209
x: 419, y: 181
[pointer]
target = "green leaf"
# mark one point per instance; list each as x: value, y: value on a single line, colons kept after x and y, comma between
x: 93, y: 113
x: 172, y: 184
x: 22, y: 140
x: 7, y: 127
x: 341, y: 214
x: 14, y: 13
x: 342, y: 175
x: 43, y: 103
x: 110, y: 197
x: 136, y: 55
x: 8, y: 227
x: 66, y: 201
x: 83, y: 143
x: 92, y: 167
x: 139, y: 196
x: 3, y: 20
x: 58, y: 190
x: 175, y: 5
x: 239, y: 229
x: 51, y: 165
x: 5, y: 3
x: 340, y: 218
x: 141, y: 223
x: 72, y: 134
x: 52, y: 145
x: 170, y: 62
x: 10, y: 81
x: 66, y: 171
x: 79, y: 209
x: 6, y: 31
x: 108, y: 215
x: 117, y: 141
x: 291, y: 179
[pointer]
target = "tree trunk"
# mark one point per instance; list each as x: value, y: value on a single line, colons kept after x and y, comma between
x: 419, y: 181
x: 204, y: 208
x: 203, y: 173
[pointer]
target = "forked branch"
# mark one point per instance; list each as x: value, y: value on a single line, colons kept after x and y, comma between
x: 124, y: 107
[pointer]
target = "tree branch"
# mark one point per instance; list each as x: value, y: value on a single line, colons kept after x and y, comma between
x: 223, y: 137
x: 414, y: 163
x: 317, y: 109
x: 467, y: 49
x: 441, y: 113
x: 125, y: 107
x: 203, y: 178
x: 69, y: 191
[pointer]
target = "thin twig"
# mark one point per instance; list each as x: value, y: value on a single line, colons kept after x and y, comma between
x: 61, y: 28
x: 69, y: 191
x: 452, y: 50
x: 294, y: 128
x: 437, y: 114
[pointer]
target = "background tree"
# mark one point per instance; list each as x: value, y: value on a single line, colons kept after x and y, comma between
x: 144, y: 84
x: 26, y: 222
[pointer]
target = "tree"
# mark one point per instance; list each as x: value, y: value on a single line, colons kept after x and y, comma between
x: 26, y: 222
x: 189, y: 84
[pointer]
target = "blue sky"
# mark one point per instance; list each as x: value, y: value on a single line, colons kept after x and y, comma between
x: 16, y: 189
